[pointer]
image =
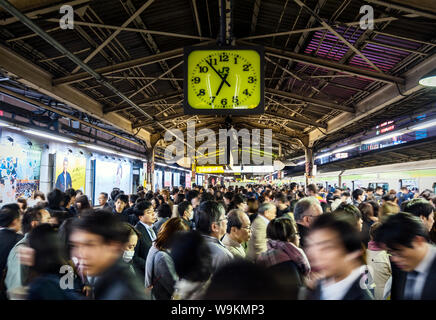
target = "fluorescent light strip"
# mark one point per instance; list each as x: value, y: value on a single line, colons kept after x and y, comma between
x: 4, y: 124
x: 383, y: 137
x: 424, y: 125
x: 48, y: 136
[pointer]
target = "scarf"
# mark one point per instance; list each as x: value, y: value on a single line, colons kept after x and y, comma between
x: 280, y: 251
x: 372, y: 245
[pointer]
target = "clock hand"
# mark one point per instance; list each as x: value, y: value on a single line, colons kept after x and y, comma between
x: 217, y: 72
x: 221, y: 85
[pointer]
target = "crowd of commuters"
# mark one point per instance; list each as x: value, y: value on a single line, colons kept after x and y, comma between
x: 252, y: 242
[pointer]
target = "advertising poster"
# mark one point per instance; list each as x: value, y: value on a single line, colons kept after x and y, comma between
x: 19, y: 171
x: 176, y: 181
x: 109, y: 175
x: 167, y: 181
x: 70, y: 172
x: 157, y: 180
x: 188, y: 180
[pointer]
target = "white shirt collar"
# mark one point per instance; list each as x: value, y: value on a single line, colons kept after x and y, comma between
x: 337, y: 290
x: 425, y: 265
x: 264, y: 218
x: 145, y: 225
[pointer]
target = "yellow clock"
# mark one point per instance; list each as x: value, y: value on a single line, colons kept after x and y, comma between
x: 227, y: 80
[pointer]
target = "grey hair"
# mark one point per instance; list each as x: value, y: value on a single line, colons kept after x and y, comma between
x: 265, y: 207
x: 303, y: 205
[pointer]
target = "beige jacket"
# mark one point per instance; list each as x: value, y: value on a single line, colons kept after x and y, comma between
x: 234, y: 247
x: 257, y: 242
x: 380, y: 269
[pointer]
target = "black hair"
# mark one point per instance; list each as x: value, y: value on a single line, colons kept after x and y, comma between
x: 206, y: 196
x: 133, y: 198
x: 347, y: 233
x: 164, y: 211
x: 357, y: 193
x: 105, y: 195
x: 400, y: 230
x: 234, y: 219
x: 141, y: 206
x: 114, y: 193
x: 31, y: 214
x: 228, y: 195
x: 71, y: 192
x: 192, y: 194
x: 182, y: 207
x: 208, y: 212
x: 55, y: 199
x: 293, y: 185
x: 195, y: 266
x: 281, y: 229
x: 8, y: 213
x: 122, y: 197
x: 375, y: 207
x: 48, y: 249
x: 64, y: 233
x: 104, y: 224
x: 419, y: 207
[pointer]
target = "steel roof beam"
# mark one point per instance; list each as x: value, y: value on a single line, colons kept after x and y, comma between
x: 144, y: 101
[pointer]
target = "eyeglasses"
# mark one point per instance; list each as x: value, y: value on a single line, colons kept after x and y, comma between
x: 223, y: 219
x: 246, y: 228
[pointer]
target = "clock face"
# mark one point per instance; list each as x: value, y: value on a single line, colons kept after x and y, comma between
x: 224, y: 79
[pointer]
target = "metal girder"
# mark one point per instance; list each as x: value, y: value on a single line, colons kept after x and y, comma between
x: 322, y: 103
x: 327, y: 64
x: 39, y: 12
x: 144, y: 101
x: 169, y: 118
x: 197, y: 19
x: 297, y: 119
x: 256, y: 10
x: 113, y: 35
x: 400, y: 7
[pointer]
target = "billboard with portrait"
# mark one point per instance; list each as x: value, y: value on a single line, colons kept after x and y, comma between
x: 19, y: 170
x: 111, y: 174
x: 70, y: 172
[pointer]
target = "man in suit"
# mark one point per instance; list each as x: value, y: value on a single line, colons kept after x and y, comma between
x: 10, y: 225
x: 406, y: 238
x: 306, y: 210
x: 212, y: 223
x: 257, y: 243
x: 334, y: 249
x: 98, y: 241
x: 238, y: 232
x: 146, y: 215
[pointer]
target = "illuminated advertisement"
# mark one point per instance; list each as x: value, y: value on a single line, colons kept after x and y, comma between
x: 176, y: 181
x: 19, y: 170
x: 157, y: 180
x: 167, y: 180
x: 70, y: 172
x: 188, y: 180
x: 105, y: 181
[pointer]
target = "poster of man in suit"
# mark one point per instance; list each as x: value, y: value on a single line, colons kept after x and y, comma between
x: 70, y: 172
x: 63, y: 181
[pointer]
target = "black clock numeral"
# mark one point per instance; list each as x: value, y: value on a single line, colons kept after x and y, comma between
x: 225, y: 70
x: 236, y: 60
x: 212, y: 98
x: 196, y: 80
x: 212, y: 61
x: 224, y: 57
x: 224, y: 101
x: 246, y: 92
x: 235, y: 100
x: 203, y: 69
x: 251, y: 79
x: 246, y: 67
x: 202, y: 92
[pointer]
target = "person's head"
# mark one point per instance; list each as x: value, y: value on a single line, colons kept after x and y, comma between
x: 367, y: 211
x: 39, y: 195
x: 195, y: 266
x: 79, y: 193
x: 312, y: 190
x: 358, y: 195
x: 426, y: 194
x: 115, y: 192
x: 72, y: 193
x: 268, y: 210
x: 65, y: 164
x: 193, y: 197
x: 31, y: 218
x: 145, y: 212
x: 82, y: 203
x: 98, y: 241
x: 422, y: 209
x: 282, y: 229
x: 44, y: 240
x: 167, y: 231
x: 10, y: 217
x: 405, y: 237
x: 293, y: 187
x: 268, y: 195
x: 280, y: 200
x: 373, y: 230
x: 253, y: 206
x: 55, y: 199
x: 212, y: 220
x: 386, y: 209
x: 333, y: 246
x: 129, y: 247
x: 239, y: 202
x: 206, y: 196
x: 22, y: 203
x: 306, y: 210
x: 121, y: 202
x: 228, y: 196
x: 238, y: 225
x: 102, y: 198
x: 375, y: 207
x: 370, y: 191
x: 351, y: 212
x: 379, y: 191
x: 185, y: 210
x: 132, y: 199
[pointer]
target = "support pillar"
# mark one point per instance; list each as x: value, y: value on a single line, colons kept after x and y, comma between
x: 151, y: 163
